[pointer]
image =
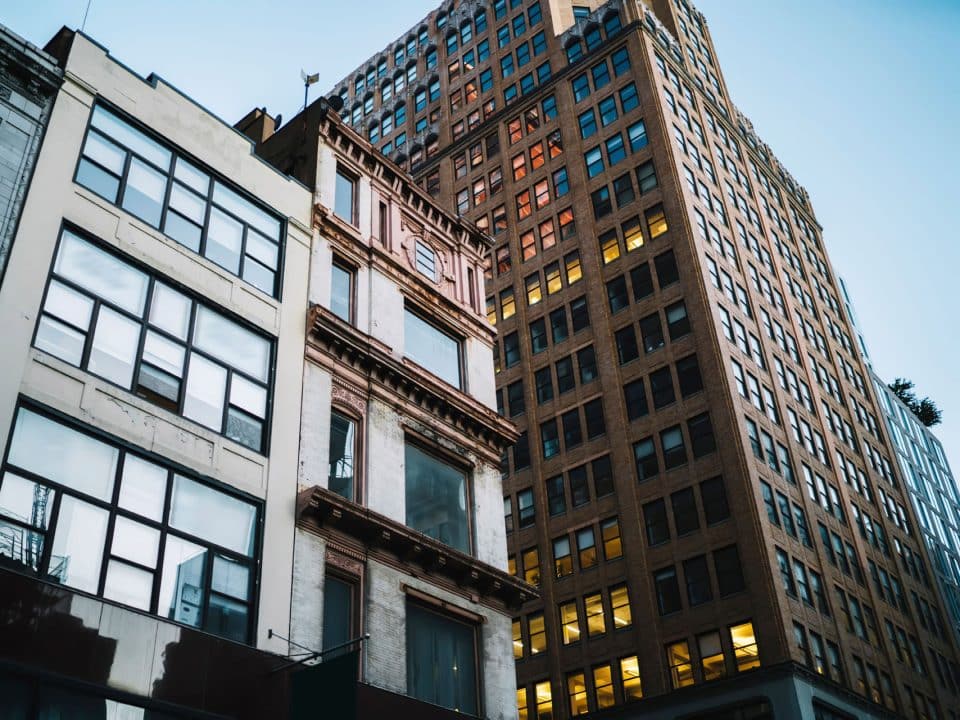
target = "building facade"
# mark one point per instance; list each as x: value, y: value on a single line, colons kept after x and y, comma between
x: 153, y: 313
x: 400, y: 547
x: 29, y: 79
x: 701, y: 487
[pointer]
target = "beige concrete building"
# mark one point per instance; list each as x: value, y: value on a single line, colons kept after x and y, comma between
x: 150, y: 391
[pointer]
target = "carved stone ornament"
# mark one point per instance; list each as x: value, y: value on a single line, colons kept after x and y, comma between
x: 347, y: 397
x: 336, y: 558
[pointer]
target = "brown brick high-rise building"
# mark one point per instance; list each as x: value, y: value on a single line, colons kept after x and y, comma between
x: 702, y: 490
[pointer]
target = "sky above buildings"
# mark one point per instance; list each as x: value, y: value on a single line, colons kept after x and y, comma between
x: 859, y: 99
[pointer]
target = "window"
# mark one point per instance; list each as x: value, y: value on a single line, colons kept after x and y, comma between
x: 577, y: 690
x: 655, y: 521
x: 637, y: 136
x: 652, y: 333
x: 569, y: 622
x: 630, y: 678
x: 586, y: 548
x: 515, y: 400
x: 525, y: 508
x: 341, y: 292
x: 645, y: 456
x: 442, y: 660
x: 537, y: 633
x: 697, y: 577
x: 179, y: 354
x: 685, y: 518
x: 556, y: 501
x: 596, y: 621
x: 688, y: 376
x: 713, y: 497
x: 635, y: 398
x: 678, y: 324
x: 572, y: 433
x: 432, y: 348
x: 681, y: 668
x: 668, y: 591
x: 744, y: 643
x: 531, y: 566
x: 702, y: 441
x: 343, y: 447
x: 436, y: 498
x: 207, y: 581
x: 549, y: 439
x: 656, y: 221
x: 128, y: 168
x: 562, y: 559
x: 340, y: 614
x: 726, y: 564
x: 543, y: 381
x: 344, y: 204
x: 426, y: 260
x: 602, y: 477
x: 711, y: 656
x: 661, y: 388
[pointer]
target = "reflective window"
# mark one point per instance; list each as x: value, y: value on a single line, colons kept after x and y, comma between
x: 113, y: 548
x: 436, y: 498
x: 344, y: 203
x: 442, y: 660
x: 341, y: 292
x: 343, y: 446
x: 105, y: 316
x: 432, y: 348
x: 130, y: 169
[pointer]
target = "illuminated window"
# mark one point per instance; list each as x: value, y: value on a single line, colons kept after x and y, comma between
x: 609, y: 246
x: 577, y: 690
x: 522, y: 713
x: 586, y: 548
x: 632, y: 235
x: 562, y: 559
x: 596, y: 621
x: 630, y: 678
x: 552, y: 274
x: 544, y: 700
x: 531, y: 566
x: 620, y: 604
x: 517, y: 640
x: 570, y: 622
x: 744, y: 643
x: 681, y: 669
x: 610, y: 535
x: 656, y: 221
x: 711, y: 656
x: 508, y: 306
x: 603, y: 686
x: 534, y: 292
x: 574, y: 271
x: 537, y: 633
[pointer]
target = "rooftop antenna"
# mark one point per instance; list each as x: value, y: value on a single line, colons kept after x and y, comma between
x: 308, y: 80
x: 83, y: 25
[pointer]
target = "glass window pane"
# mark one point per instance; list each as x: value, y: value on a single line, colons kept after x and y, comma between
x: 135, y: 542
x: 441, y: 660
x: 212, y: 515
x: 258, y: 276
x: 206, y: 387
x: 22, y: 546
x: 343, y: 197
x: 128, y: 585
x: 436, y: 499
x: 245, y: 394
x: 26, y: 501
x: 341, y: 292
x: 182, y: 588
x: 170, y: 311
x: 164, y: 354
x: 190, y: 175
x: 342, y: 449
x: 337, y: 612
x: 80, y: 462
x: 68, y: 305
x: 104, y: 152
x: 182, y: 230
x: 114, y: 350
x: 235, y: 345
x: 101, y: 273
x: 244, y: 429
x: 100, y: 181
x: 143, y: 487
x: 123, y: 133
x: 57, y: 339
x: 144, y: 193
x: 230, y: 578
x: 263, y: 250
x: 227, y: 618
x: 224, y: 238
x: 432, y: 348
x: 245, y: 210
x: 191, y: 206
x: 78, y: 545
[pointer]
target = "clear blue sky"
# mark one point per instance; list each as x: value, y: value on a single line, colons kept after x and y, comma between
x: 860, y: 99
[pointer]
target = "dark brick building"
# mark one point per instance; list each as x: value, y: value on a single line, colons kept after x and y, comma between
x: 702, y: 489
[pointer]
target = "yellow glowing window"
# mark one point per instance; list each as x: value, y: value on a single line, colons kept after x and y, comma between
x: 620, y: 603
x: 603, y: 686
x: 681, y: 669
x: 508, y: 306
x: 491, y: 311
x: 522, y: 713
x: 609, y: 247
x: 562, y: 559
x: 711, y: 656
x: 537, y: 630
x: 534, y: 293
x: 596, y: 622
x: 570, y: 622
x: 554, y: 283
x: 528, y: 243
x: 745, y: 649
x: 656, y: 221
x: 610, y: 533
x: 544, y: 699
x: 632, y: 236
x: 531, y: 566
x: 630, y: 678
x: 586, y: 548
x: 548, y: 237
x: 517, y: 640
x: 512, y: 565
x: 577, y: 689
x: 574, y: 271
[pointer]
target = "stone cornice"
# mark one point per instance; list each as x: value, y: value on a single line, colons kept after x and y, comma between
x: 387, y: 540
x: 405, y: 380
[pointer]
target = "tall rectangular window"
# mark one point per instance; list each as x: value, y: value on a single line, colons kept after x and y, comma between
x: 340, y: 619
x: 341, y: 292
x: 431, y: 347
x: 343, y: 439
x: 442, y: 660
x: 345, y: 201
x: 106, y: 316
x: 130, y: 169
x: 436, y: 498
x: 107, y: 521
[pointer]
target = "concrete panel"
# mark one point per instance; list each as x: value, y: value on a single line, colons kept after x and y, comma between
x: 385, y: 489
x: 50, y: 384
